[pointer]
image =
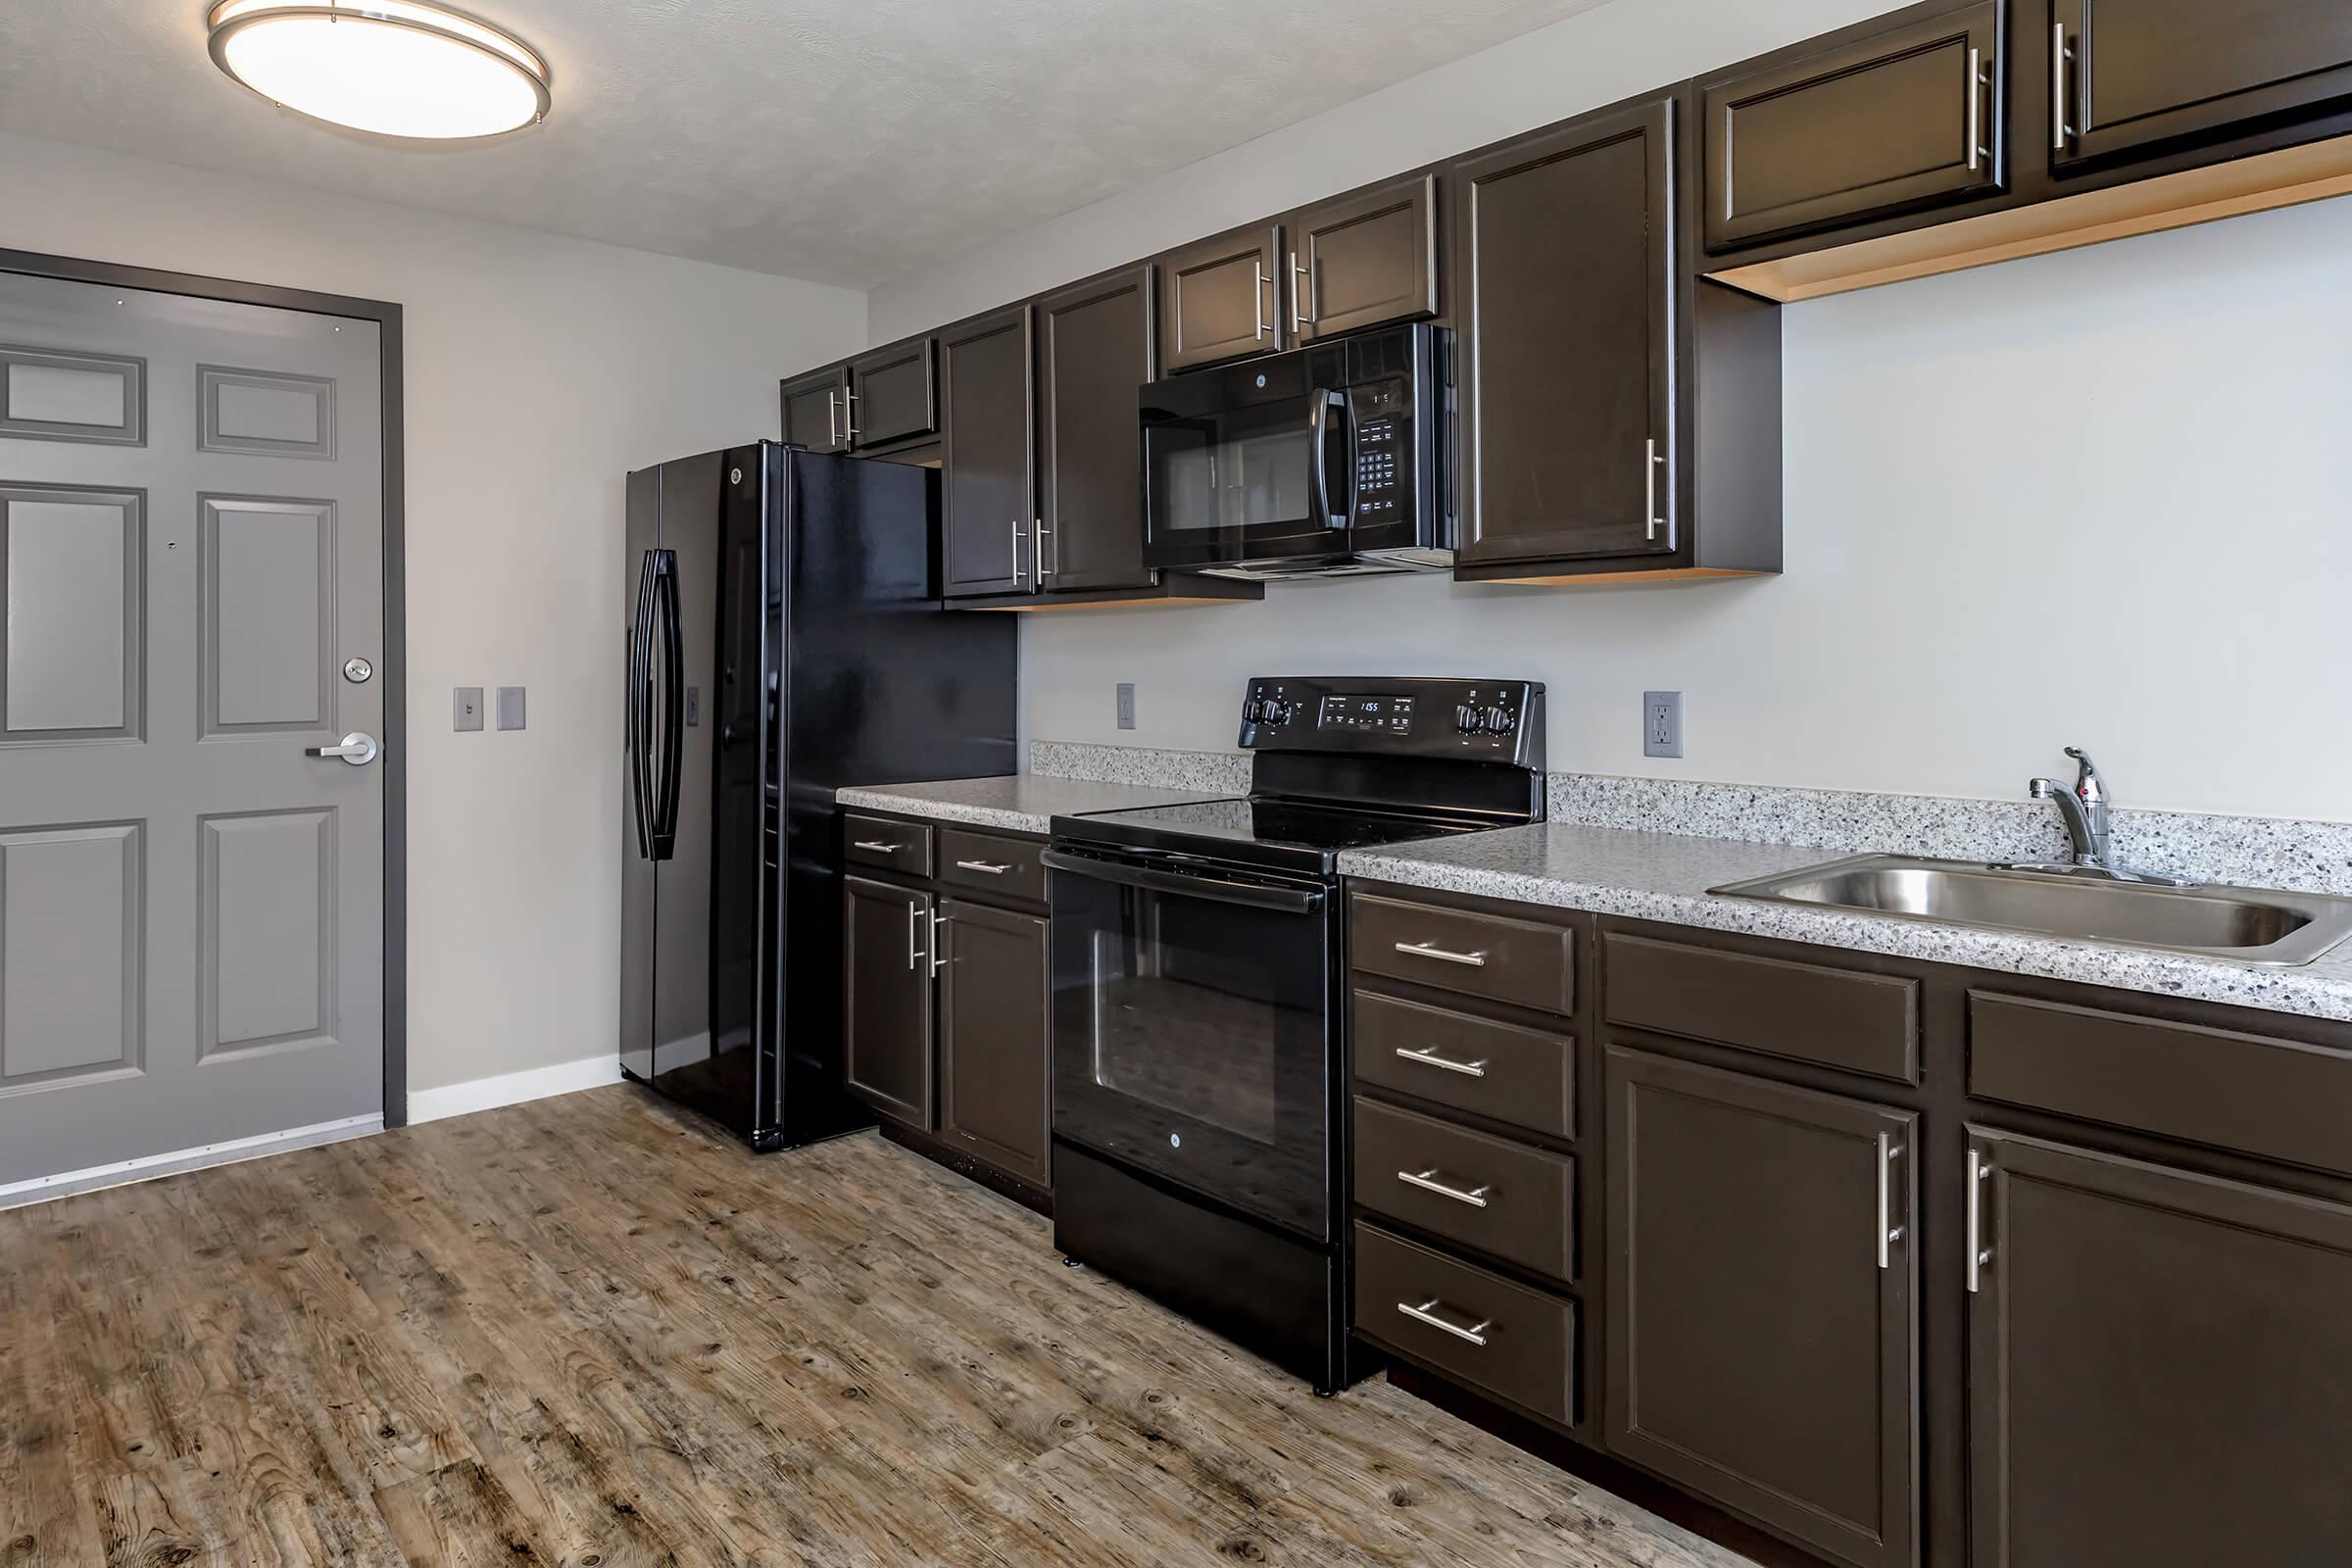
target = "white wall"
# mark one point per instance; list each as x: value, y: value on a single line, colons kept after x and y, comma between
x: 2101, y: 498
x: 539, y: 370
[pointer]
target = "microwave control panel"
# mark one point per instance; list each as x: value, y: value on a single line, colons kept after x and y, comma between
x: 1486, y: 720
x: 1382, y: 416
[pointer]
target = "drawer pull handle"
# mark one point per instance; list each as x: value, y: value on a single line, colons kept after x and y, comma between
x: 982, y: 865
x: 878, y: 846
x: 1476, y: 1334
x: 1475, y: 1197
x: 1428, y: 1056
x: 1430, y: 950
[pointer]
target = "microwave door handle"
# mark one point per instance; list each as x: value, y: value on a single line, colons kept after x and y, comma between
x: 1217, y: 890
x: 1318, y: 435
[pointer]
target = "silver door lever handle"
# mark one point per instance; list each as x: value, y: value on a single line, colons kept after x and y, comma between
x: 358, y: 749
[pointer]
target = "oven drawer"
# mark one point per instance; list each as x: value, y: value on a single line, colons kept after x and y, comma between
x: 1521, y: 1076
x: 992, y: 864
x: 1510, y: 1340
x: 1527, y: 963
x: 901, y: 847
x: 1495, y: 1197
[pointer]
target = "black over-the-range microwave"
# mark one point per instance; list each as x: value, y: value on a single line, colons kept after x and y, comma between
x: 1325, y: 458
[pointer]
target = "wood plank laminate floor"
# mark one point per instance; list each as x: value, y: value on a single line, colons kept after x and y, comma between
x: 586, y: 1332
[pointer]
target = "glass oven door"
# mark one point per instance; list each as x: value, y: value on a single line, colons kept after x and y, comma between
x: 1192, y: 1033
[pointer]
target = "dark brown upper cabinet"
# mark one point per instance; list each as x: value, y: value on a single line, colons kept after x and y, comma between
x: 995, y: 1031
x: 894, y: 394
x: 2159, y: 1364
x: 1221, y: 298
x: 1364, y: 259
x: 1763, y: 1332
x: 1564, y: 303
x: 1094, y: 351
x: 889, y: 931
x: 812, y: 410
x: 988, y: 513
x: 1896, y: 122
x: 2137, y: 77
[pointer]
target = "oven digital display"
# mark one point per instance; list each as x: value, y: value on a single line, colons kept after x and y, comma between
x: 1392, y: 715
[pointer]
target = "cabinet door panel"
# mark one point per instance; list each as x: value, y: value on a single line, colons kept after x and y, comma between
x: 1761, y: 1352
x: 1896, y: 122
x: 1094, y: 353
x: 812, y: 410
x: 1220, y: 298
x: 893, y: 394
x: 2146, y: 73
x: 889, y: 935
x: 995, y: 1037
x: 2160, y: 1366
x: 1365, y: 260
x: 1564, y: 293
x: 987, y: 501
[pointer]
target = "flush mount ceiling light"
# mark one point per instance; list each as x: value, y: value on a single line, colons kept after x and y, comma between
x: 395, y: 67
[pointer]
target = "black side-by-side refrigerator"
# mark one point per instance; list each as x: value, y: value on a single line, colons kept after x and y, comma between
x: 785, y: 637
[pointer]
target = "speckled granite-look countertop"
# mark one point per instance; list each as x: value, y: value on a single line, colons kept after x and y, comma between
x: 1017, y: 802
x: 1665, y: 877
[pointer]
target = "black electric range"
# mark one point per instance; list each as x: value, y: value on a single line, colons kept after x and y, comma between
x: 1198, y: 995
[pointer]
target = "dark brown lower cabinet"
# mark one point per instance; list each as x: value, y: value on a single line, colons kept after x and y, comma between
x: 995, y: 1021
x: 1763, y: 1315
x: 888, y: 934
x: 2160, y: 1366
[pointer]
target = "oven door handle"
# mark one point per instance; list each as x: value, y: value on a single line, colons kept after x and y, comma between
x: 1220, y: 890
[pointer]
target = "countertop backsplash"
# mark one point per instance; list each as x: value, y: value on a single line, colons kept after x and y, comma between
x: 2304, y: 857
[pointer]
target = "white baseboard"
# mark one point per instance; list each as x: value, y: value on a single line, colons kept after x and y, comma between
x: 512, y: 1089
x: 149, y: 1166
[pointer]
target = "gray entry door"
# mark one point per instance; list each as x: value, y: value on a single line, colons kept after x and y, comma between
x: 191, y: 908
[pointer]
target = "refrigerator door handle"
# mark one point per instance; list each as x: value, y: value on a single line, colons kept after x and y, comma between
x: 673, y: 702
x: 640, y: 679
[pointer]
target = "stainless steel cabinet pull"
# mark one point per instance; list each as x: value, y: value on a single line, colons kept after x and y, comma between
x: 1018, y: 535
x: 1037, y: 551
x: 2059, y: 128
x: 878, y: 846
x: 1429, y: 950
x: 982, y: 865
x: 1976, y: 108
x: 1302, y: 295
x: 1428, y: 1056
x: 1651, y: 522
x: 1887, y: 1157
x: 914, y: 917
x: 357, y: 748
x: 939, y: 945
x: 1476, y: 1334
x: 833, y: 419
x: 1257, y: 297
x: 849, y: 417
x: 1475, y: 1197
x: 1979, y: 1254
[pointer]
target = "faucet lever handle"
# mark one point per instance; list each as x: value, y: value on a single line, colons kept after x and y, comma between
x: 2088, y: 786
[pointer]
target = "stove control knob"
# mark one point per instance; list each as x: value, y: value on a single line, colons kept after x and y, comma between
x: 1279, y: 711
x: 1252, y: 711
x: 1500, y: 722
x: 1467, y: 719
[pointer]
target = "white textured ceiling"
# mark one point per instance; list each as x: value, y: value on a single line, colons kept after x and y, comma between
x: 847, y: 141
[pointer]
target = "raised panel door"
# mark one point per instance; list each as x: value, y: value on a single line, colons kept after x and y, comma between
x: 988, y: 500
x: 995, y: 1037
x: 1094, y: 354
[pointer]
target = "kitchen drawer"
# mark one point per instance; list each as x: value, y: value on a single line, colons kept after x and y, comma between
x: 992, y: 864
x: 2277, y: 1099
x: 1528, y: 963
x: 1506, y: 1199
x: 901, y: 847
x: 1510, y: 1340
x: 1521, y: 1076
x: 1863, y: 1023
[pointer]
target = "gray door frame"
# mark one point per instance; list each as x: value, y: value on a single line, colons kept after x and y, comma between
x: 392, y: 667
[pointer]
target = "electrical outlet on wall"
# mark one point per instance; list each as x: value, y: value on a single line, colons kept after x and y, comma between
x: 1126, y: 704
x: 1661, y: 723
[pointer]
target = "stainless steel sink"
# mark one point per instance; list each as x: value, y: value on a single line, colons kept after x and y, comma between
x: 2247, y: 925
